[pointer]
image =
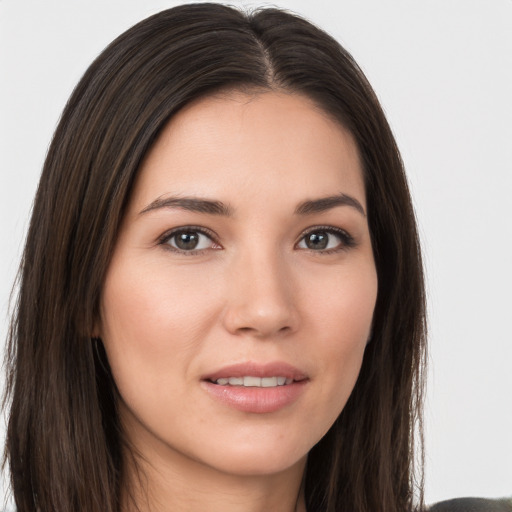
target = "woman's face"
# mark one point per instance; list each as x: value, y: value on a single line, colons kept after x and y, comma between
x: 239, y: 299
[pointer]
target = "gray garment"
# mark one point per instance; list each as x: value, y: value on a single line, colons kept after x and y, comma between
x: 473, y: 505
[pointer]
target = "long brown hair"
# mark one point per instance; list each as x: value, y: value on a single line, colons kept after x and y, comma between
x: 64, y: 440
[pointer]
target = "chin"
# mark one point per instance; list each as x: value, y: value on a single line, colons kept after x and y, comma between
x: 259, y: 465
x: 271, y: 456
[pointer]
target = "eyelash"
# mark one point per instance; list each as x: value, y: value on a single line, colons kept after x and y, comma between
x: 346, y: 240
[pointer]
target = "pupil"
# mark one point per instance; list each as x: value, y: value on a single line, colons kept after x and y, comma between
x: 187, y: 240
x: 317, y: 240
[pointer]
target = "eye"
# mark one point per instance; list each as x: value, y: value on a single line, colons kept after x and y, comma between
x: 327, y: 239
x: 188, y: 240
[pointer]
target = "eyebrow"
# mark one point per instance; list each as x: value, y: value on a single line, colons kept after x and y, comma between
x: 192, y: 204
x: 327, y: 203
x: 213, y: 207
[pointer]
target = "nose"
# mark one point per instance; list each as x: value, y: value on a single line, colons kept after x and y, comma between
x: 261, y: 300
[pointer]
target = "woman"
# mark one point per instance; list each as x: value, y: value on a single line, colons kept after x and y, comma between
x: 221, y: 301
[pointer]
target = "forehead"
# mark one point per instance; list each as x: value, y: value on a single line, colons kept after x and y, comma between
x: 239, y: 145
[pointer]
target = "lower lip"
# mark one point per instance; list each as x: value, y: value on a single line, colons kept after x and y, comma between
x: 254, y: 399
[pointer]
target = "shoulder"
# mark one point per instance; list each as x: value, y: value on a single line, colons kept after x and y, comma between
x: 473, y: 505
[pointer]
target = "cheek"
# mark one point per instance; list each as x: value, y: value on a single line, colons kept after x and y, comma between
x: 342, y: 318
x: 341, y: 305
x: 150, y: 323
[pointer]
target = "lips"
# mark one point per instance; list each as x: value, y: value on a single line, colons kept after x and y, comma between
x: 262, y: 371
x: 256, y: 388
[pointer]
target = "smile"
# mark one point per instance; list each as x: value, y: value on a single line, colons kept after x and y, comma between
x: 258, y: 388
x: 254, y: 382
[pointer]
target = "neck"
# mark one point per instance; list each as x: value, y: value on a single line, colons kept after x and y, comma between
x: 183, y: 484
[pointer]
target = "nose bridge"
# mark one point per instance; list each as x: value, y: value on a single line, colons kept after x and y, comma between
x: 261, y: 300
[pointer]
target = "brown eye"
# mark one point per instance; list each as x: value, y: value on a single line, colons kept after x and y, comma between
x: 317, y: 241
x: 326, y: 239
x: 187, y: 240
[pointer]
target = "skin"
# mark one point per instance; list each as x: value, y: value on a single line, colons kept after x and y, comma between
x: 253, y: 292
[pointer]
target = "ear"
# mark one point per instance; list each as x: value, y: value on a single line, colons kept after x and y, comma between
x: 96, y: 329
x: 370, y: 334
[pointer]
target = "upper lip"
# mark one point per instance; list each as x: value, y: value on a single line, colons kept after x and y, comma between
x: 254, y: 369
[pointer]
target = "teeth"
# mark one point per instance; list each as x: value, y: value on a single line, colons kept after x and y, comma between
x: 254, y: 382
x: 268, y: 382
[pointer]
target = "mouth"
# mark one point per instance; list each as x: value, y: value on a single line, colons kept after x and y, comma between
x: 254, y: 382
x: 267, y: 375
x: 256, y: 388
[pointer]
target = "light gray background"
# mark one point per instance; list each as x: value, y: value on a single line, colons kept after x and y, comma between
x: 443, y: 71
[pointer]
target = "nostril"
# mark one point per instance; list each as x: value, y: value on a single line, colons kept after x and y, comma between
x: 264, y: 332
